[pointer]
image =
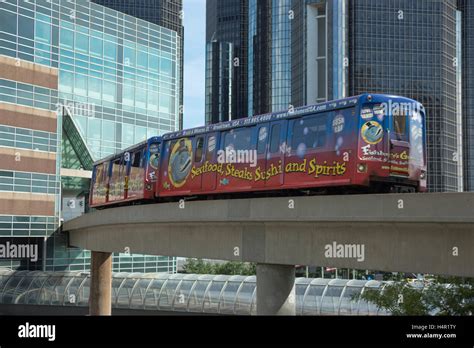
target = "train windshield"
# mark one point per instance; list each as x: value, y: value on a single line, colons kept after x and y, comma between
x: 416, y: 137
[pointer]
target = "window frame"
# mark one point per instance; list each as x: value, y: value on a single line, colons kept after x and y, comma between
x: 270, y: 146
x: 199, y: 149
x: 324, y: 117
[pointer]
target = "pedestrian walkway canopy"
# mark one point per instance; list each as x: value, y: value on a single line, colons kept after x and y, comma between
x: 194, y: 293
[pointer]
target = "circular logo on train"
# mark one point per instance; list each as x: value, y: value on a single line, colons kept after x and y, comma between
x: 372, y: 132
x: 180, y: 162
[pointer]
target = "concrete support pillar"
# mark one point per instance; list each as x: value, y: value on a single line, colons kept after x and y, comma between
x: 100, y: 300
x: 275, y: 290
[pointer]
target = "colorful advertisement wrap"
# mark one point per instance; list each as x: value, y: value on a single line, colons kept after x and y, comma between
x: 180, y: 162
x: 99, y: 186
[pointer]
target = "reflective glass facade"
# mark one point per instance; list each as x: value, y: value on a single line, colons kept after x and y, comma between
x: 298, y: 53
x: 338, y: 49
x: 311, y: 48
x: 123, y: 71
x: 28, y: 45
x: 119, y: 78
x: 226, y: 60
x: 409, y: 48
x: 167, y: 14
x: 301, y: 52
x: 467, y: 13
x: 219, y: 81
x: 280, y: 55
x: 269, y: 35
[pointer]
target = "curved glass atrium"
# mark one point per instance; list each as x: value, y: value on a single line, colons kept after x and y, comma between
x: 194, y: 293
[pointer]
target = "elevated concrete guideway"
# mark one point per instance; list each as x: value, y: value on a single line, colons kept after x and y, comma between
x: 426, y: 233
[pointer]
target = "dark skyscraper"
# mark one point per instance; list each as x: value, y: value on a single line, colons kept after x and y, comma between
x: 467, y: 9
x: 409, y: 48
x: 269, y: 73
x: 226, y: 60
x: 166, y: 13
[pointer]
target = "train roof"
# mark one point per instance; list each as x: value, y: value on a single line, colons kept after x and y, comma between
x: 129, y: 149
x: 248, y: 121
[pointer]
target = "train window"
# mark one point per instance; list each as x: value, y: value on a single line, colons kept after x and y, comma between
x: 117, y: 168
x: 136, y: 160
x: 275, y: 139
x: 211, y: 146
x: 199, y: 147
x: 155, y: 148
x: 117, y: 162
x: 262, y: 140
x: 101, y: 173
x: 399, y: 123
x: 238, y: 139
x: 309, y: 133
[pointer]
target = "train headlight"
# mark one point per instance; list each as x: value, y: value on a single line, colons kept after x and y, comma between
x: 148, y: 187
x: 423, y: 175
x: 361, y: 168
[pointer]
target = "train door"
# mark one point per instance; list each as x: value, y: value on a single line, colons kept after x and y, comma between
x: 276, y: 153
x: 399, y: 143
x: 195, y: 183
x: 374, y: 141
x: 209, y: 177
x: 151, y: 165
x: 261, y: 148
x: 136, y: 174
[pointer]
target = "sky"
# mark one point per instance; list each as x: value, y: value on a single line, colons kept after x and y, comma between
x: 194, y: 62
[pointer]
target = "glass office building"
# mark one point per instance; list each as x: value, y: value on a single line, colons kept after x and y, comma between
x: 226, y: 60
x: 409, y: 48
x: 219, y: 82
x: 78, y: 81
x: 269, y: 56
x: 343, y: 47
x: 319, y: 51
x: 168, y: 14
x: 467, y: 12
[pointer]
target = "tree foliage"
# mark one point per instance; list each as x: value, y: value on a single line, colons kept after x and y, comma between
x: 441, y: 296
x: 198, y: 266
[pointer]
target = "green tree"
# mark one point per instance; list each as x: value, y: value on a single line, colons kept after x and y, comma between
x: 441, y: 296
x: 198, y: 266
x: 457, y: 298
x: 397, y: 298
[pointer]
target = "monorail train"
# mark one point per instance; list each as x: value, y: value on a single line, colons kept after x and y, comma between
x: 367, y: 143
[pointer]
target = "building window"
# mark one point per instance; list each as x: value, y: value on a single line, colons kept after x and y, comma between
x: 67, y: 38
x: 82, y: 43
